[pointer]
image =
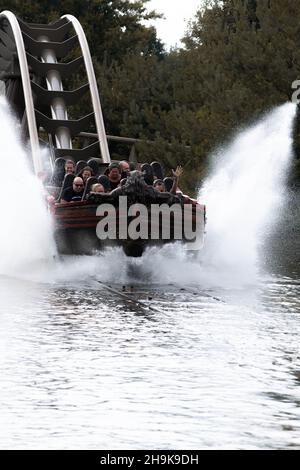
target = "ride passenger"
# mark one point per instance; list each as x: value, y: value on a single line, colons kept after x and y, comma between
x: 97, y: 188
x: 69, y: 167
x: 160, y: 186
x: 85, y: 173
x: 124, y: 166
x: 73, y: 193
x: 176, y: 175
x: 114, y: 175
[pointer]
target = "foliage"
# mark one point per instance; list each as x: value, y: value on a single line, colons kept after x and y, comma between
x: 113, y: 27
x: 240, y: 59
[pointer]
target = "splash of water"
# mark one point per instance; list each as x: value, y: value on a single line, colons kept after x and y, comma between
x: 25, y: 235
x: 243, y: 196
x: 245, y: 193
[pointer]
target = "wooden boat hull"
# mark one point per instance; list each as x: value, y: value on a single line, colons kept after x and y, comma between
x: 76, y: 230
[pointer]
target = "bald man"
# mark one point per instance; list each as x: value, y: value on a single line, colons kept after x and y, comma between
x: 73, y: 193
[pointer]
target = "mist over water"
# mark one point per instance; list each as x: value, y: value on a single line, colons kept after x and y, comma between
x: 26, y: 232
x: 245, y: 195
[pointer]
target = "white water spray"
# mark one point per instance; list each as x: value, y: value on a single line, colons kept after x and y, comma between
x: 26, y: 235
x: 243, y: 198
x: 245, y: 193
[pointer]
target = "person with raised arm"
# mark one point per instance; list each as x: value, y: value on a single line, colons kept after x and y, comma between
x: 176, y: 175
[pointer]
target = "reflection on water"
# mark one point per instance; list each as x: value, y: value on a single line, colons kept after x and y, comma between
x: 83, y: 366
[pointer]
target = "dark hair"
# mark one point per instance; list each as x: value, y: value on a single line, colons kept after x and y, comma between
x: 84, y: 169
x: 113, y: 165
x: 156, y: 182
x: 70, y: 161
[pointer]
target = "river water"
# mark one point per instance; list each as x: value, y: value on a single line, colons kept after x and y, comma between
x: 84, y: 367
x: 168, y: 351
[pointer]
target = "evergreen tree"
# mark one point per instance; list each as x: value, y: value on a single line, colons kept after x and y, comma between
x: 240, y: 60
x: 246, y: 56
x: 113, y: 27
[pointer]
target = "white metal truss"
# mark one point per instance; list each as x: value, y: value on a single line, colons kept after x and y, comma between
x: 32, y: 127
x: 93, y: 86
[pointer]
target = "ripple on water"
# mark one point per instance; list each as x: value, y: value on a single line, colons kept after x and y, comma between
x: 82, y: 368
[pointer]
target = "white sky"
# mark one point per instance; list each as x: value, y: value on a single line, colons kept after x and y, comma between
x: 177, y: 13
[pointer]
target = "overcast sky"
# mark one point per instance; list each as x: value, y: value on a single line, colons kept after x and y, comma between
x: 177, y: 13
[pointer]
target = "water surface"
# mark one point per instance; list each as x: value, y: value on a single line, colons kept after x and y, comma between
x: 83, y: 366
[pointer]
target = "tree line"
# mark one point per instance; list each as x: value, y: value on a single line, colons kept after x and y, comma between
x: 239, y: 60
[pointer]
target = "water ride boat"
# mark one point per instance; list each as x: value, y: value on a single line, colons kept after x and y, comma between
x: 35, y: 70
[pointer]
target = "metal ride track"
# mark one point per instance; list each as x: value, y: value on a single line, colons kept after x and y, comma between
x: 34, y: 67
x: 47, y: 71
